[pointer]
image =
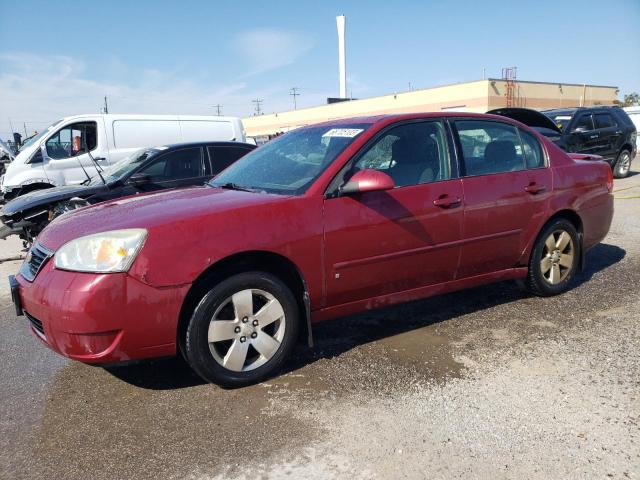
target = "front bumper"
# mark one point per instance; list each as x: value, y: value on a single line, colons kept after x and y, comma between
x: 100, y: 318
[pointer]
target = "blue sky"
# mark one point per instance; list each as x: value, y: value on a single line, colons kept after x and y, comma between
x: 60, y: 58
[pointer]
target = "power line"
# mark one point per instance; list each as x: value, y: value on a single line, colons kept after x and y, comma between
x: 294, y: 93
x: 258, y: 102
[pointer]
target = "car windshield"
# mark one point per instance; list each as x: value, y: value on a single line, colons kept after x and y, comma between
x: 560, y: 119
x: 38, y: 136
x: 123, y: 167
x: 289, y: 164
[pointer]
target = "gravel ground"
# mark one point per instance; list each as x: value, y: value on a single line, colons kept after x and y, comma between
x: 486, y: 383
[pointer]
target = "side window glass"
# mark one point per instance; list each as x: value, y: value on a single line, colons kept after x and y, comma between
x: 411, y: 154
x: 604, y: 120
x: 221, y: 157
x: 72, y: 140
x: 583, y: 124
x: 489, y: 147
x: 177, y: 165
x: 532, y: 150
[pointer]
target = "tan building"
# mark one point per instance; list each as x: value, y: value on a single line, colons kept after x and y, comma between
x: 478, y: 96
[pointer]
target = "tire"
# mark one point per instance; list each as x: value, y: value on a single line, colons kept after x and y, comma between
x: 243, y: 350
x: 622, y: 167
x: 551, y: 270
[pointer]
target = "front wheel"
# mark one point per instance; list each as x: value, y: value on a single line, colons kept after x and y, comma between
x: 622, y: 167
x: 242, y: 330
x: 554, y: 259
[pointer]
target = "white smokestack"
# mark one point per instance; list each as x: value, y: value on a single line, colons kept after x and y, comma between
x: 342, y: 56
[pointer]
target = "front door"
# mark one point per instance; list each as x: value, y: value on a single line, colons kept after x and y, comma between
x: 583, y: 137
x: 66, y: 149
x: 380, y: 243
x: 506, y: 183
x: 179, y: 168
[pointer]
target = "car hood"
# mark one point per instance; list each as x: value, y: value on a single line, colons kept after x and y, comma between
x: 531, y: 118
x: 43, y: 198
x: 175, y: 209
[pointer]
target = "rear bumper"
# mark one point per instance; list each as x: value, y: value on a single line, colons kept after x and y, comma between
x: 101, y: 318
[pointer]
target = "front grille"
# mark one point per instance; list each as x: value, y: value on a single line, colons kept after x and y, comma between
x: 35, y: 323
x: 36, y: 259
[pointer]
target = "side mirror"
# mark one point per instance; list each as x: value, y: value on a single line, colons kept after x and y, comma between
x: 139, y: 179
x: 367, y: 180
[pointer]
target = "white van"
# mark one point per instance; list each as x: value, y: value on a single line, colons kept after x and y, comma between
x: 634, y: 115
x: 57, y: 156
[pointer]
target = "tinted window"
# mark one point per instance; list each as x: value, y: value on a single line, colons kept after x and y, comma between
x: 584, y: 123
x: 411, y: 154
x: 532, y: 150
x: 185, y: 163
x: 489, y: 147
x: 604, y: 120
x: 221, y: 157
x: 72, y: 140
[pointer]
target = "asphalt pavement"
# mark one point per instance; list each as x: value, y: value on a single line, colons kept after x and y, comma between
x: 485, y: 383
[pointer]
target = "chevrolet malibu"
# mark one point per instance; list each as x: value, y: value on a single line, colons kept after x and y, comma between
x: 326, y: 221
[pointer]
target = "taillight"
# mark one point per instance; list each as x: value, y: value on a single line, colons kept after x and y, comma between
x: 610, y: 179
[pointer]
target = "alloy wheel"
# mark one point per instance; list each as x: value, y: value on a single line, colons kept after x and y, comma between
x: 625, y: 163
x: 246, y: 330
x: 557, y: 257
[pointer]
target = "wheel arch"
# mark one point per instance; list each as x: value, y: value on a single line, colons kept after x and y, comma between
x: 264, y: 261
x: 567, y: 214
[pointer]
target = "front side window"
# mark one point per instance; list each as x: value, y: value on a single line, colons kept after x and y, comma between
x: 532, y: 150
x: 72, y: 140
x: 410, y: 154
x: 583, y: 124
x: 489, y: 147
x: 604, y: 120
x: 178, y: 165
x: 289, y: 164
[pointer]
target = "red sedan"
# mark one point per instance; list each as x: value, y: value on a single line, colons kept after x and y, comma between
x: 328, y: 220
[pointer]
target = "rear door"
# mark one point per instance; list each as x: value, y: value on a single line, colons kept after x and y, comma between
x: 583, y: 137
x: 609, y: 134
x: 505, y: 186
x: 379, y: 243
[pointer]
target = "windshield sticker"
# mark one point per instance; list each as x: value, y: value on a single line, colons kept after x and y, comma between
x: 343, y: 132
x: 563, y: 117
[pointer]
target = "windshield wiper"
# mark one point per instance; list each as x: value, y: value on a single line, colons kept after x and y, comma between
x: 235, y: 186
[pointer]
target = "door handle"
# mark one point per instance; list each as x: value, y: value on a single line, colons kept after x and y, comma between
x: 97, y: 159
x: 534, y: 188
x: 445, y: 201
x: 594, y: 136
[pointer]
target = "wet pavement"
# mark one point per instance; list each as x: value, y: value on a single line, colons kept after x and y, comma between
x: 485, y: 383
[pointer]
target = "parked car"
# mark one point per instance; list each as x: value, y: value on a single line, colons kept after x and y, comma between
x: 327, y: 220
x: 147, y: 170
x: 634, y: 115
x: 58, y: 155
x: 604, y: 131
x: 6, y: 156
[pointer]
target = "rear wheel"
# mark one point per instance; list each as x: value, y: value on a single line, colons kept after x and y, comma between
x: 622, y: 167
x: 242, y: 330
x: 554, y: 259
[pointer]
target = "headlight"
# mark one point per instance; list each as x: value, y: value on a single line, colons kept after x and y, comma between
x: 103, y: 252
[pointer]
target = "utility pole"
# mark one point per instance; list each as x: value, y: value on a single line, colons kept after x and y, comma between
x: 11, y: 125
x: 24, y: 125
x: 106, y: 107
x: 258, y: 101
x: 294, y: 93
x: 218, y: 108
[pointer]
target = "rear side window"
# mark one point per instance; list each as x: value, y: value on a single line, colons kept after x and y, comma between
x: 532, y: 150
x: 222, y: 156
x: 583, y: 124
x: 604, y: 120
x: 489, y: 147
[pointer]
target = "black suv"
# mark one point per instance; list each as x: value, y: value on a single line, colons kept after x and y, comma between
x: 599, y: 130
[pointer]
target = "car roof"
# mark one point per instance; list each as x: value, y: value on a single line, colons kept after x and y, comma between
x: 174, y: 146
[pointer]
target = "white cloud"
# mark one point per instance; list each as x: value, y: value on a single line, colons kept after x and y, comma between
x: 268, y: 49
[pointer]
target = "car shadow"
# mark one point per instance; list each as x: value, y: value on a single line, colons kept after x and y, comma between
x: 335, y: 337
